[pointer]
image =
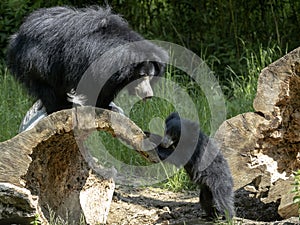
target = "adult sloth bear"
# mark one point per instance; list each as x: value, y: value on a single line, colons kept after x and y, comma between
x: 54, y: 47
x: 208, y: 169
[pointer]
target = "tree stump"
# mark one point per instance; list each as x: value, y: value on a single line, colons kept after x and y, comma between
x: 263, y: 147
x: 48, y: 167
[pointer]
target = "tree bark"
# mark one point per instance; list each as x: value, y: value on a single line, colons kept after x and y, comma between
x: 263, y: 147
x: 49, y: 169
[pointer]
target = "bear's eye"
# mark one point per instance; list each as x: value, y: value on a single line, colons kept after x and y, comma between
x: 147, y: 69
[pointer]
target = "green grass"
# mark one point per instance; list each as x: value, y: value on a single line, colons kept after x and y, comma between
x: 14, y: 102
x: 242, y: 86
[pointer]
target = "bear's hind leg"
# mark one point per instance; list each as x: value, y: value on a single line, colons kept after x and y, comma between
x: 207, y: 201
x: 224, y: 201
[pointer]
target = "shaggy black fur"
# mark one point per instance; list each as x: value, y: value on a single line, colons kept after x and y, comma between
x: 206, y: 166
x: 54, y: 47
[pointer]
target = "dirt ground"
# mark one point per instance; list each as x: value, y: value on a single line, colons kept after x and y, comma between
x: 143, y: 206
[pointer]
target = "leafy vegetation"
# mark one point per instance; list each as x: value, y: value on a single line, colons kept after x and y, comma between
x: 213, y: 26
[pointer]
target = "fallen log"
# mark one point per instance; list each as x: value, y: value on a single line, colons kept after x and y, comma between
x: 48, y: 168
x: 263, y: 147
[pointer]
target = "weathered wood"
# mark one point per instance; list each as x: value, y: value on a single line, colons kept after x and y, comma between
x: 263, y: 147
x: 49, y: 167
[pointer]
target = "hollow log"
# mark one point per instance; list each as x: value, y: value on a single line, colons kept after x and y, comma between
x: 48, y: 168
x: 263, y: 147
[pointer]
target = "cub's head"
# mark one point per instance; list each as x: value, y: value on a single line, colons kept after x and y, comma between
x: 179, y: 141
x: 177, y: 129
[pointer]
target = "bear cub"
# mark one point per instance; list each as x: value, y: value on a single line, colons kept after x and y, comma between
x: 185, y: 145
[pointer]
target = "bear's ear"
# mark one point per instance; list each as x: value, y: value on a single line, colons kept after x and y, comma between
x: 103, y: 22
x: 173, y: 115
x: 100, y: 24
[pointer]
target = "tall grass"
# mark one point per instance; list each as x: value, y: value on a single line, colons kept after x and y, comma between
x: 243, y: 83
x: 14, y: 104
